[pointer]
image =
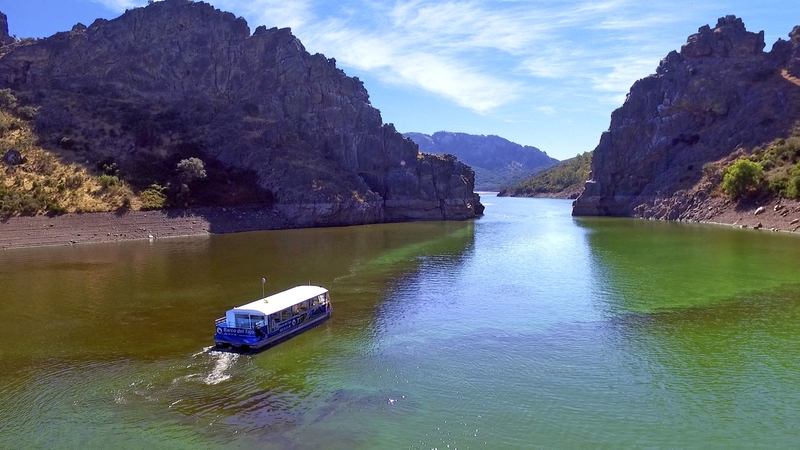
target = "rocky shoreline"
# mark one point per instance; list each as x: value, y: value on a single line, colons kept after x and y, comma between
x: 772, y: 214
x: 70, y: 229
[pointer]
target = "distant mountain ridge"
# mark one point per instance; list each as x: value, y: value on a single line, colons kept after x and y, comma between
x: 564, y: 180
x: 497, y: 162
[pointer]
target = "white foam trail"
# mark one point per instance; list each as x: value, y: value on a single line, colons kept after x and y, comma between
x: 223, y: 362
x: 203, y: 351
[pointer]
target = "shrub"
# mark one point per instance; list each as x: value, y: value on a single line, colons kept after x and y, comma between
x: 7, y: 99
x: 153, y: 197
x: 191, y: 169
x: 793, y: 188
x: 74, y: 181
x: 27, y: 112
x: 108, y: 181
x: 741, y: 176
x: 126, y: 201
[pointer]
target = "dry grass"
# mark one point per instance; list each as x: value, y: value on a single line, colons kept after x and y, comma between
x: 46, y: 182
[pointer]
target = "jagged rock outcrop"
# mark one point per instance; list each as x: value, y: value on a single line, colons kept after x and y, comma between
x: 4, y: 36
x: 794, y: 63
x: 497, y: 162
x: 180, y: 77
x: 721, y: 93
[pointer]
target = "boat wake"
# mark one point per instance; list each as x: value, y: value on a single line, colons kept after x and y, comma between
x: 222, y: 362
x: 219, y: 362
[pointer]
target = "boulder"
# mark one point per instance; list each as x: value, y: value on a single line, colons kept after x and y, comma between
x: 13, y: 158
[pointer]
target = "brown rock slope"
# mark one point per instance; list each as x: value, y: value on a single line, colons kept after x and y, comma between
x: 720, y: 94
x: 180, y: 79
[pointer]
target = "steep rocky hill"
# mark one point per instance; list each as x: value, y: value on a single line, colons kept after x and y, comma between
x: 564, y: 180
x: 273, y: 124
x: 497, y: 162
x: 720, y: 95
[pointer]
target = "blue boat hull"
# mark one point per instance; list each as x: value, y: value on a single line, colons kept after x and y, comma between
x: 258, y: 339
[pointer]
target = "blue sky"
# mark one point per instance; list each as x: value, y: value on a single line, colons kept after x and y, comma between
x: 545, y: 73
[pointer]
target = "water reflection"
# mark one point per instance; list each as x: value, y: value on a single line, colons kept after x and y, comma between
x: 703, y: 320
x: 525, y: 328
x: 644, y: 266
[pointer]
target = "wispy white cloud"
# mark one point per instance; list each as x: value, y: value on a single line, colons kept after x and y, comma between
x: 120, y: 5
x: 549, y: 110
x: 294, y: 14
x: 479, y: 54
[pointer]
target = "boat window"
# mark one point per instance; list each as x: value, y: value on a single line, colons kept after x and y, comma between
x: 286, y: 314
x: 321, y: 299
x: 248, y: 321
x: 276, y: 318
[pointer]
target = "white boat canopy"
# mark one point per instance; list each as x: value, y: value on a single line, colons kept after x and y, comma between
x: 278, y: 302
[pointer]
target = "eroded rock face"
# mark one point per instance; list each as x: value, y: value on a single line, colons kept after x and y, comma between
x: 4, y: 37
x: 179, y: 73
x: 794, y: 63
x: 722, y: 92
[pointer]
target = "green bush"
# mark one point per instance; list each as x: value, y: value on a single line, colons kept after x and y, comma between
x: 780, y: 186
x: 793, y: 189
x: 191, y: 169
x: 7, y: 99
x: 153, y: 197
x: 27, y: 112
x: 108, y: 181
x: 14, y: 201
x: 74, y: 181
x: 741, y: 176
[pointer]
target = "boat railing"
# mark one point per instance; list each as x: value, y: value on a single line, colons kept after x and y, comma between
x: 220, y: 321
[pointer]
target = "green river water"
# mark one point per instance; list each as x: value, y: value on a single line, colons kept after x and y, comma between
x: 524, y: 328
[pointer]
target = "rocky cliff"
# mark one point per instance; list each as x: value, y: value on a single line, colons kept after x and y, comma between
x: 497, y: 162
x: 179, y: 78
x: 720, y: 93
x: 4, y: 37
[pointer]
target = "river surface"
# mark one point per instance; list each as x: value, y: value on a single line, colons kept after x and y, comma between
x: 524, y: 328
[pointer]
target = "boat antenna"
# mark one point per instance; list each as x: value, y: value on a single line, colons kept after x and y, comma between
x: 263, y: 281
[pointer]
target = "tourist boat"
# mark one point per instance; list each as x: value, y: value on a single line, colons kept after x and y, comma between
x: 272, y: 319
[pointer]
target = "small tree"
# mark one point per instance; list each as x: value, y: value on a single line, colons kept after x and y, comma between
x: 191, y: 169
x: 741, y: 176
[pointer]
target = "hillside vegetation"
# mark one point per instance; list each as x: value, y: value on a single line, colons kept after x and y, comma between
x: 565, y: 180
x: 45, y: 182
x: 771, y: 170
x: 63, y: 177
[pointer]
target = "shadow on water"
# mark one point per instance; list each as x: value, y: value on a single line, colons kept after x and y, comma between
x: 646, y: 266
